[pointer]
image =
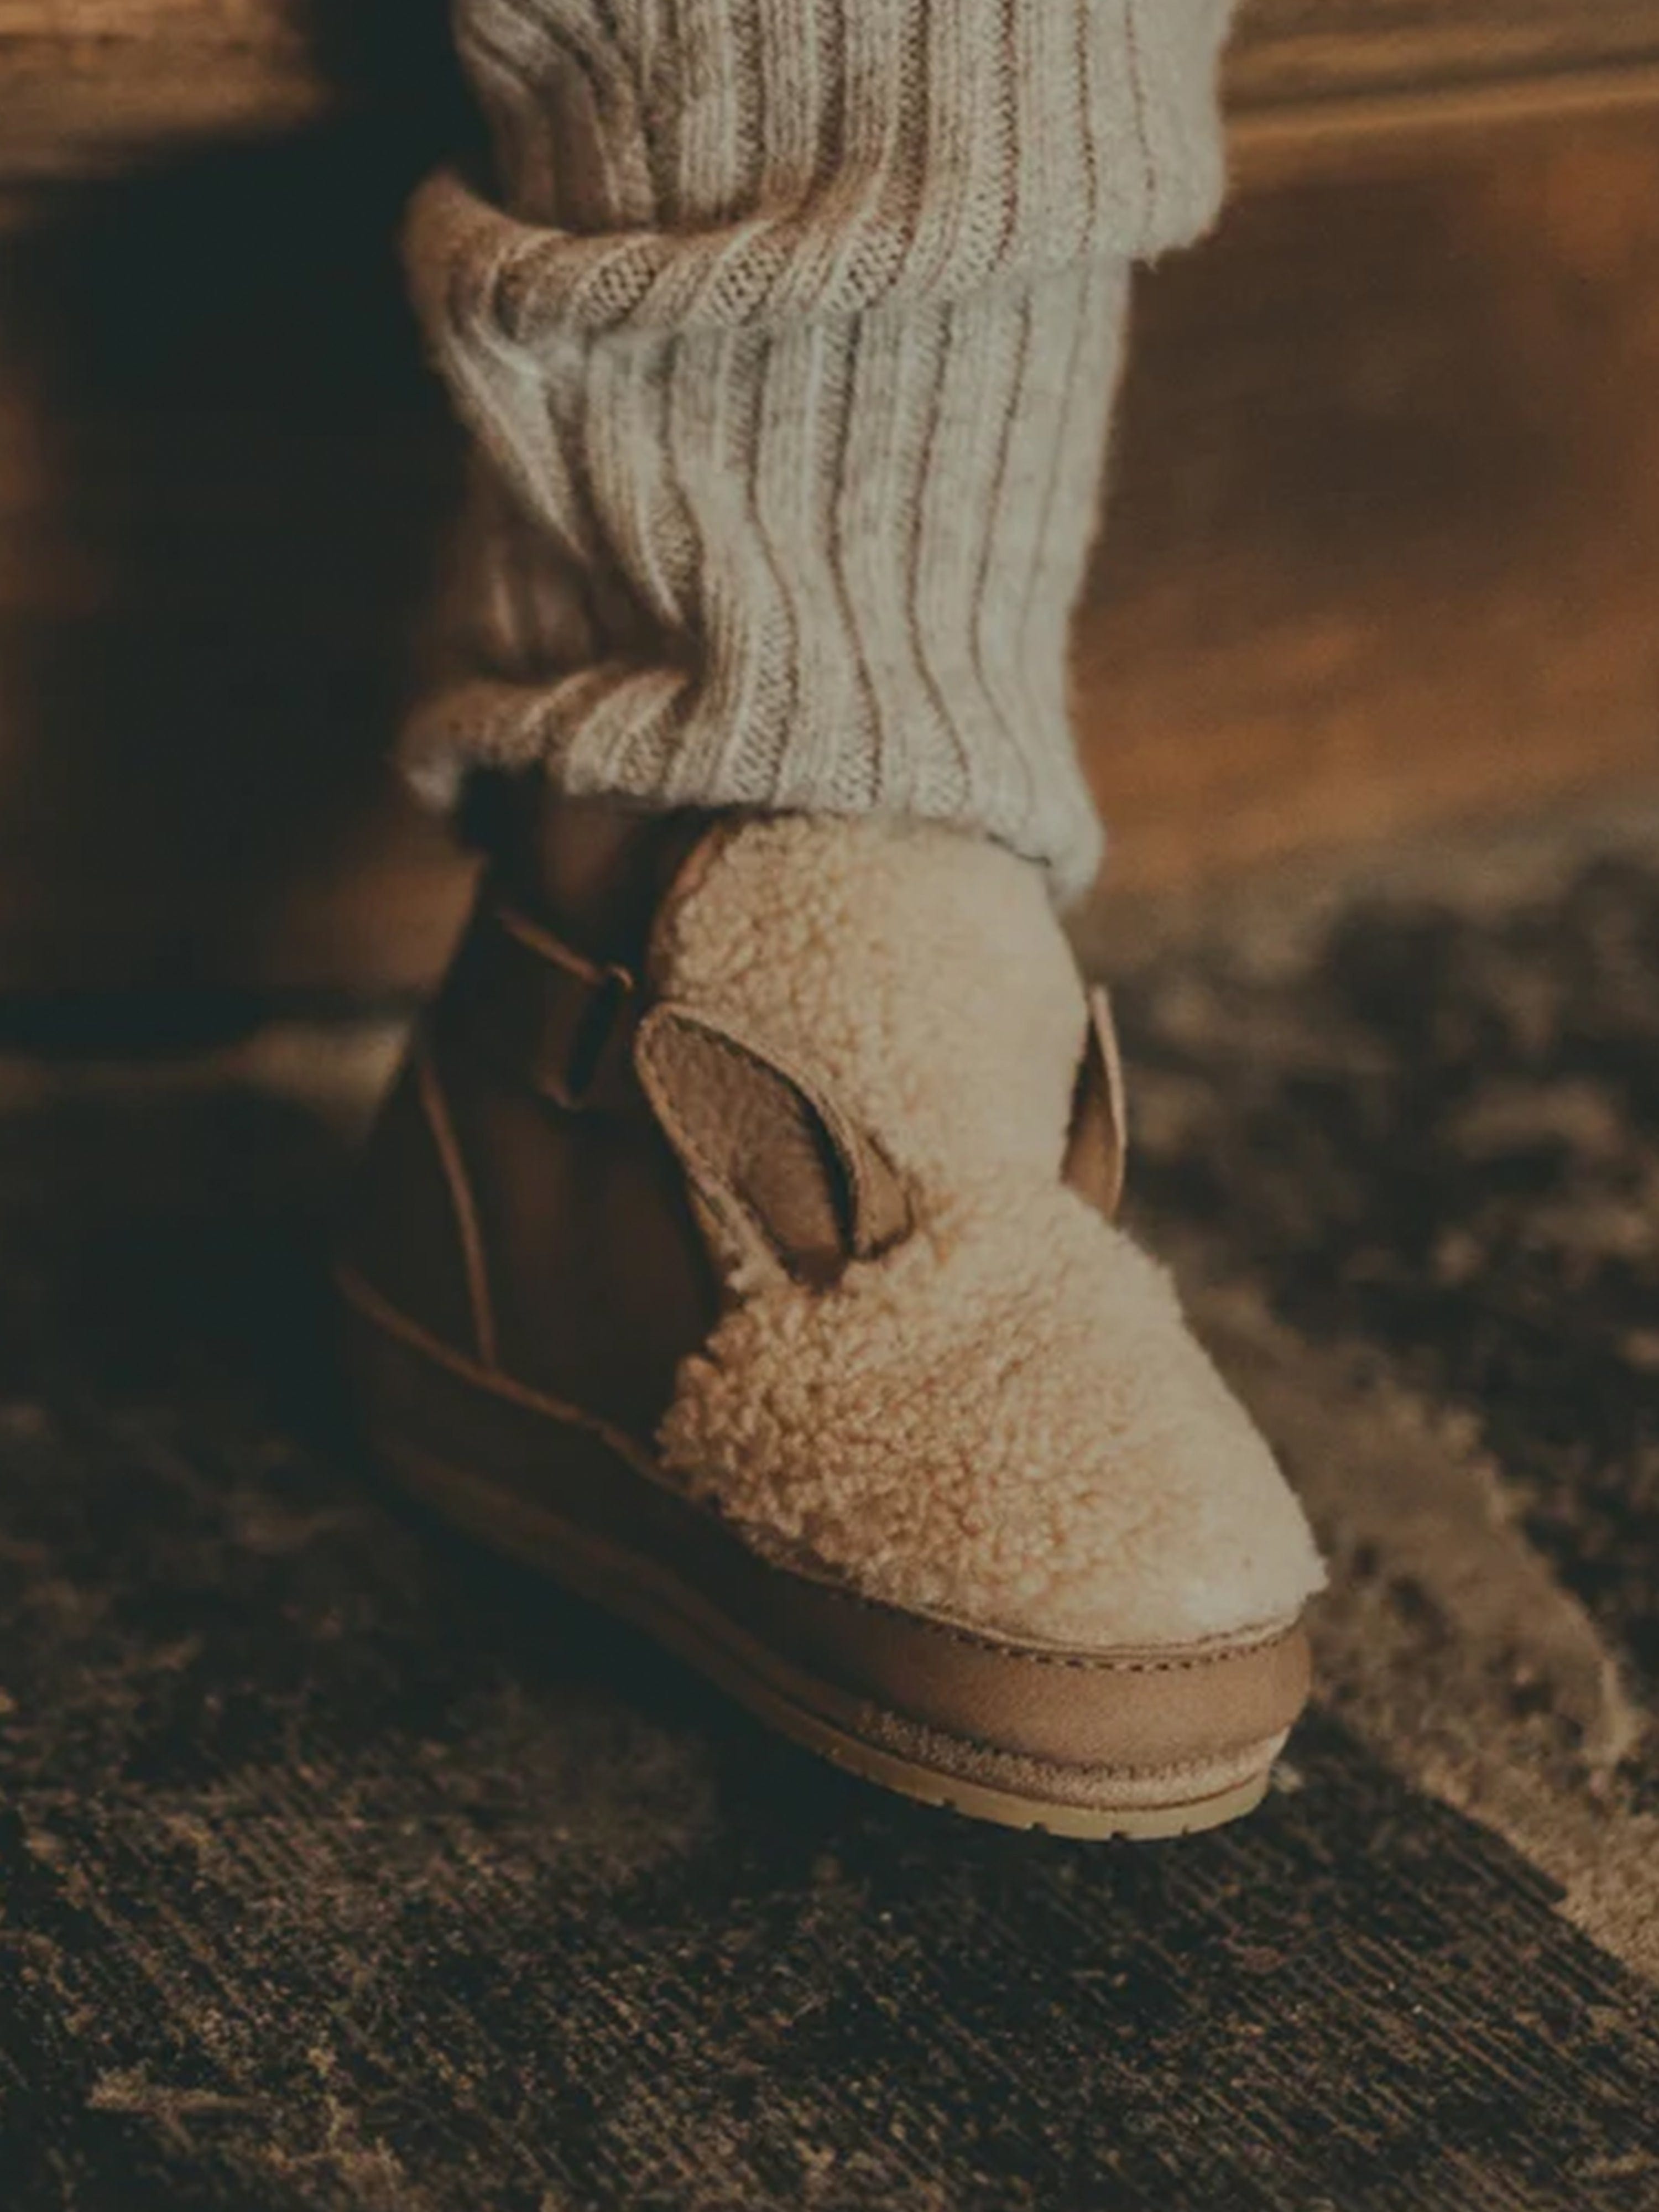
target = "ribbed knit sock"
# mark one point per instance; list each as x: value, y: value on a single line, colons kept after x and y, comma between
x: 789, y: 331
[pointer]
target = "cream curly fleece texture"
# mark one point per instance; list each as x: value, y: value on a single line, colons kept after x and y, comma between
x: 1005, y: 1420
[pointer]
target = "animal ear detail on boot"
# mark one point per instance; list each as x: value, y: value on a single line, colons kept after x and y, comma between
x: 786, y: 1172
x: 1096, y: 1150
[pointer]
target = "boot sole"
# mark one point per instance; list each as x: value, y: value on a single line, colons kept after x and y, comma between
x: 1141, y: 1801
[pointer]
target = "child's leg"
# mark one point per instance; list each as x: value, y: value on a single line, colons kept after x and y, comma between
x: 739, y: 1243
x: 789, y: 329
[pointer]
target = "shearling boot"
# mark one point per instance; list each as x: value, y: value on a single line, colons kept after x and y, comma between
x: 737, y: 1246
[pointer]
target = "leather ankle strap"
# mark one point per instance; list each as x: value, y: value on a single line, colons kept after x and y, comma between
x: 543, y: 1012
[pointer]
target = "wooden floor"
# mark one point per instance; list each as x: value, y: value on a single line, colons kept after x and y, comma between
x: 1384, y: 527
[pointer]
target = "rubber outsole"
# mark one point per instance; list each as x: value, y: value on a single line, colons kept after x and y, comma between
x: 675, y: 1616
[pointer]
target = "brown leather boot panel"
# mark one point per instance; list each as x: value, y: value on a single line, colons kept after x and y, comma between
x: 598, y: 1279
x: 518, y: 1198
x: 592, y: 870
x: 403, y: 1232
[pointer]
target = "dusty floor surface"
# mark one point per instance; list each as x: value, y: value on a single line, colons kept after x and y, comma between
x: 340, y: 1868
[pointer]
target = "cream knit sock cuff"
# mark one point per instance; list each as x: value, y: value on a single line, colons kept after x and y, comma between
x: 790, y: 362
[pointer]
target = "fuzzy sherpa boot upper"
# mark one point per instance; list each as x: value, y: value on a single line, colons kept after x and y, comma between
x: 1002, y: 1417
x: 736, y: 1245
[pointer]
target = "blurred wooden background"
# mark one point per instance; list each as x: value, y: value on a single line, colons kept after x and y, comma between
x: 1384, y: 531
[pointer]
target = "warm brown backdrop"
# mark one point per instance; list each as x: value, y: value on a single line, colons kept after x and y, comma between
x: 1385, y: 534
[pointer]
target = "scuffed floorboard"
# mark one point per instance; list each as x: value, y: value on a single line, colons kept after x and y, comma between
x: 341, y: 1868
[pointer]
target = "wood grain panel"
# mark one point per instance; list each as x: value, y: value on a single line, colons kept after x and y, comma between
x: 1383, y: 542
x: 93, y: 86
x: 1294, y: 52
